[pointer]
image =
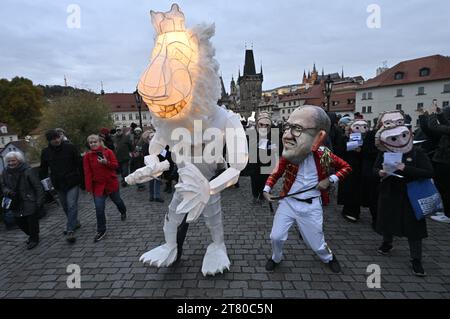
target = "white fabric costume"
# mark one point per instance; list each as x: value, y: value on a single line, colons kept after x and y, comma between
x: 181, y: 88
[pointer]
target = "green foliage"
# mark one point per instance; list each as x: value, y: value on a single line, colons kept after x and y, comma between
x: 53, y: 91
x: 21, y: 104
x: 79, y: 115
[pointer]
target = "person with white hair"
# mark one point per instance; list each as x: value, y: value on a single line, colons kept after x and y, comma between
x: 23, y: 195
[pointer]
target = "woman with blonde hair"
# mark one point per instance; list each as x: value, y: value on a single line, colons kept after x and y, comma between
x: 100, y: 166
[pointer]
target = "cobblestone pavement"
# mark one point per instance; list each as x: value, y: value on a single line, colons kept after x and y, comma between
x: 111, y: 267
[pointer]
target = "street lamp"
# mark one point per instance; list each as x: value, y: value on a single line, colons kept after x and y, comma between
x: 328, y: 88
x: 138, y: 99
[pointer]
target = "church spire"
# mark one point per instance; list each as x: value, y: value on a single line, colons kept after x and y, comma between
x: 249, y: 66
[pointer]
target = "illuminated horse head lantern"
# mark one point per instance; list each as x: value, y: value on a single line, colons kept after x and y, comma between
x: 182, y: 78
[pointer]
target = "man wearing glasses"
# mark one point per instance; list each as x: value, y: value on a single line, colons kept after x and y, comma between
x: 307, y: 169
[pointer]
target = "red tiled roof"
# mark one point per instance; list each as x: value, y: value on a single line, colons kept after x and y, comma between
x: 439, y: 70
x: 122, y: 102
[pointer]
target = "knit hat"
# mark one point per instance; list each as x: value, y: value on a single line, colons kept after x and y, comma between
x: 345, y: 120
x: 51, y: 135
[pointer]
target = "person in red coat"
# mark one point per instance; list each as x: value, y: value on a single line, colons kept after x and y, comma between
x: 307, y: 169
x: 100, y: 166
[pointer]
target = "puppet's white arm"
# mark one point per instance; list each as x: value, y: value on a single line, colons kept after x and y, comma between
x: 237, y: 154
x: 153, y: 167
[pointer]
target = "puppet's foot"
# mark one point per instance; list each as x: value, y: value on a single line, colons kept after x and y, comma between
x: 162, y: 256
x: 215, y: 260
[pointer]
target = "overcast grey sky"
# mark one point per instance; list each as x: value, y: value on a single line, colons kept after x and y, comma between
x: 115, y: 39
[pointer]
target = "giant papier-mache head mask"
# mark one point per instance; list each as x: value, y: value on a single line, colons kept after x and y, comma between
x: 359, y: 126
x: 356, y: 126
x: 393, y: 135
x: 304, y: 132
x: 167, y: 85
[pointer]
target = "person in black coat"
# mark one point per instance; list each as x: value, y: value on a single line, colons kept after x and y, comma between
x: 439, y: 125
x: 335, y: 141
x: 261, y: 148
x: 107, y: 139
x: 24, y: 193
x: 370, y: 181
x: 395, y: 214
x: 350, y: 190
x: 64, y: 161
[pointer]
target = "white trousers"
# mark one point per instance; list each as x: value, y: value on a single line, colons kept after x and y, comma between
x: 309, y: 218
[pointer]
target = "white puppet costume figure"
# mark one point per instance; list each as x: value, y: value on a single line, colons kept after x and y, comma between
x: 181, y: 88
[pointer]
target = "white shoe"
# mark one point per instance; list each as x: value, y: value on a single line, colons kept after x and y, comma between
x: 442, y: 219
x: 439, y: 214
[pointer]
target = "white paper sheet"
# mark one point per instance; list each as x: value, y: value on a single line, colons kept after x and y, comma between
x: 352, y: 145
x: 392, y: 158
x: 263, y: 143
x: 355, y: 137
x: 47, y: 184
x: 390, y: 161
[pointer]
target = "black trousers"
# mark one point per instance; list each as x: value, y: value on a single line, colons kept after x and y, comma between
x: 181, y: 236
x: 258, y: 181
x: 353, y: 210
x: 415, y: 246
x: 442, y: 179
x: 30, y: 226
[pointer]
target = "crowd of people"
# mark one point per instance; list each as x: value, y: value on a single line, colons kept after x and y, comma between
x: 64, y: 170
x: 350, y: 147
x: 355, y: 145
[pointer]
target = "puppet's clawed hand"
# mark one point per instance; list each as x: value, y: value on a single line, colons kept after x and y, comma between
x: 194, y: 189
x: 152, y: 169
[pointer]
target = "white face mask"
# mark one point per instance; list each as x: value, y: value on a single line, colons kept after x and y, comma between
x: 396, y: 139
x: 359, y: 127
x: 390, y: 119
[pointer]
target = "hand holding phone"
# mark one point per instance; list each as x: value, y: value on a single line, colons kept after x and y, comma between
x: 101, y: 158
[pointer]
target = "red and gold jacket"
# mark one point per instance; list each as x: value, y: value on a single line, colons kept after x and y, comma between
x: 324, y: 161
